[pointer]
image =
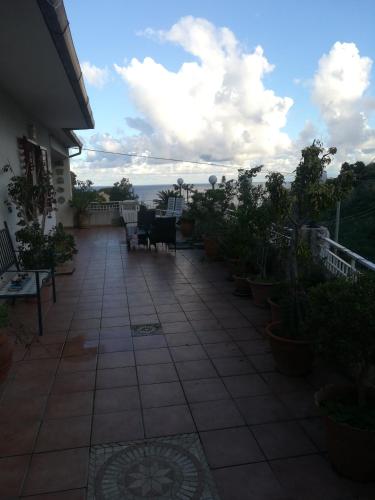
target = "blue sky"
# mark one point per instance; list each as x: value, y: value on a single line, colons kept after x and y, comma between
x: 294, y: 35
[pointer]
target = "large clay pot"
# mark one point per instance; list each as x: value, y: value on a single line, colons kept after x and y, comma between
x: 261, y: 292
x: 6, y: 354
x: 350, y: 450
x: 292, y: 357
x: 275, y: 308
x: 186, y: 228
x: 211, y: 247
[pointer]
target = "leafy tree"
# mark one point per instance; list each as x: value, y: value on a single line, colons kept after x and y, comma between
x: 121, y: 191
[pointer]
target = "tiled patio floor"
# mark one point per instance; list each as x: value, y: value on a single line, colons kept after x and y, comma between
x: 207, y: 372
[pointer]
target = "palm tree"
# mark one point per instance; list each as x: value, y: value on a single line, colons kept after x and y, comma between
x: 161, y: 202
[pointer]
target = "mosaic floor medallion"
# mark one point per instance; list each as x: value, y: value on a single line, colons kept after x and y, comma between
x: 147, y: 329
x: 172, y: 468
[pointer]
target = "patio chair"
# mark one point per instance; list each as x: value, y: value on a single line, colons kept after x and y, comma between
x: 146, y: 219
x: 163, y: 231
x: 30, y: 281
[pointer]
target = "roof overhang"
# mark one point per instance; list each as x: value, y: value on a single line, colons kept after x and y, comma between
x: 39, y: 65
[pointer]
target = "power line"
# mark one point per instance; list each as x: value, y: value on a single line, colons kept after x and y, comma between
x: 134, y: 155
x: 177, y: 160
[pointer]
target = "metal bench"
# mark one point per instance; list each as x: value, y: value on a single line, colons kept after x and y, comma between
x: 33, y: 279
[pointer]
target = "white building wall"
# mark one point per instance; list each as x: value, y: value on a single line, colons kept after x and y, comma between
x: 14, y: 123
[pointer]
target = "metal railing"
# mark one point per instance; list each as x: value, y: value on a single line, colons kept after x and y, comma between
x: 341, y: 261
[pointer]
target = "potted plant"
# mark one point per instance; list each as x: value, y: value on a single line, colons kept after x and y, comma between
x: 187, y: 224
x: 83, y: 195
x: 270, y: 214
x: 6, y: 347
x: 342, y: 317
x: 209, y: 210
x: 291, y: 346
x: 37, y: 250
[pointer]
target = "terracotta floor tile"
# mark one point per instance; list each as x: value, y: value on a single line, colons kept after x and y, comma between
x: 188, y: 353
x: 23, y: 408
x: 179, y: 327
x: 116, y: 345
x: 25, y: 386
x: 233, y: 366
x: 116, y: 399
x: 167, y: 421
x: 213, y: 336
x: 261, y: 409
x: 282, y: 439
x: 152, y: 356
x: 149, y: 342
x: 205, y: 390
x: 58, y: 470
x: 116, y: 360
x: 154, y: 374
x: 180, y: 339
x: 263, y: 362
x: 228, y: 447
x: 115, y: 427
x: 79, y: 494
x: 69, y: 405
x: 190, y: 370
x: 74, y: 382
x: 12, y: 473
x: 251, y: 481
x: 240, y: 386
x: 80, y: 346
x: 115, y: 321
x: 311, y: 477
x: 85, y: 324
x: 115, y: 332
x: 17, y: 437
x: 116, y: 377
x: 64, y: 433
x: 216, y: 415
x: 71, y: 364
x: 163, y: 394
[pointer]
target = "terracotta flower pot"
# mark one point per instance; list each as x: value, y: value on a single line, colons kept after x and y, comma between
x: 6, y: 354
x: 292, y: 357
x: 276, y: 315
x: 211, y: 247
x: 186, y: 228
x: 242, y: 286
x: 351, y: 450
x: 261, y: 292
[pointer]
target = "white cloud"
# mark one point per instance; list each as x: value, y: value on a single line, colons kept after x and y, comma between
x: 95, y: 76
x: 339, y: 90
x: 217, y: 106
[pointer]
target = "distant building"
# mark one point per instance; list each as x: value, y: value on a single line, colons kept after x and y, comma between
x: 42, y: 98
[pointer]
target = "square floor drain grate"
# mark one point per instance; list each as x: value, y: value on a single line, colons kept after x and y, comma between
x: 167, y: 468
x: 146, y: 329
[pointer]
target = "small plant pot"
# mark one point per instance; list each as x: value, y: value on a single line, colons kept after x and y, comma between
x: 261, y: 292
x: 350, y: 450
x: 275, y: 308
x: 83, y: 220
x: 211, y: 248
x: 6, y: 355
x: 242, y: 286
x: 292, y: 357
x: 186, y: 228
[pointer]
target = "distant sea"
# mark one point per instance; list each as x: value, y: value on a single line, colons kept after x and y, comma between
x: 148, y: 194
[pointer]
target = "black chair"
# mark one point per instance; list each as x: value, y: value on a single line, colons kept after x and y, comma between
x: 163, y: 231
x: 30, y: 280
x: 146, y: 219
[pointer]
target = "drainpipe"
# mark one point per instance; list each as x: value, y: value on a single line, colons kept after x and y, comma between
x: 76, y: 154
